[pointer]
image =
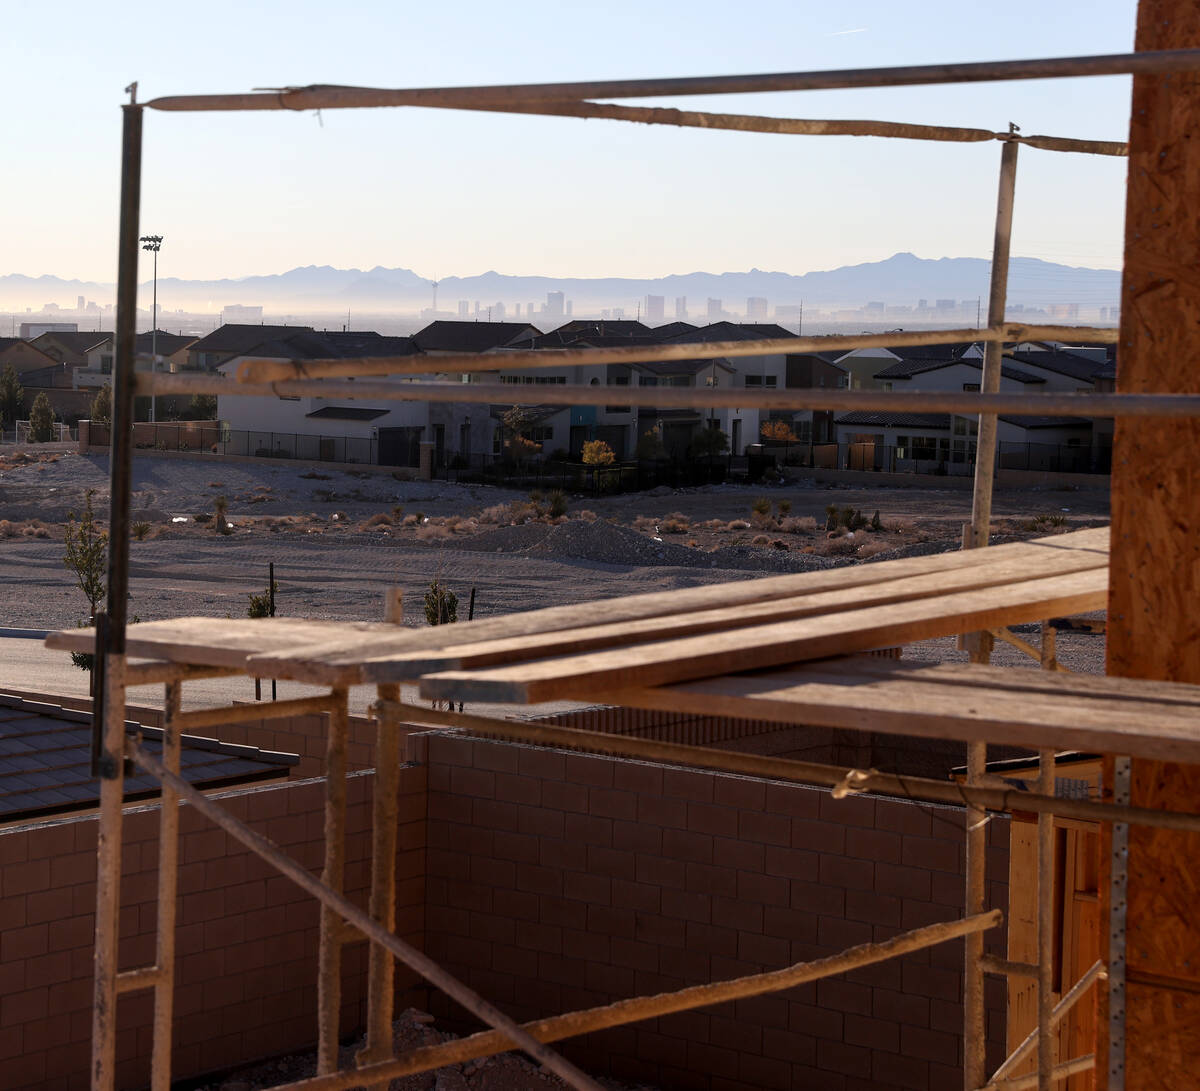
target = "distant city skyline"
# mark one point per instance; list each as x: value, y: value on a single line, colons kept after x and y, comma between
x: 242, y: 194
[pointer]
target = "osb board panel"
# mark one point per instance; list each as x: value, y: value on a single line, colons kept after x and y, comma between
x: 1162, y: 935
x: 1163, y: 1039
x: 1153, y: 626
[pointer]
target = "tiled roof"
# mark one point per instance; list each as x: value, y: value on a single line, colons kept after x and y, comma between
x: 605, y: 327
x: 45, y: 761
x: 906, y: 369
x: 239, y: 338
x: 167, y: 344
x: 1064, y: 363
x: 897, y: 420
x: 452, y: 336
x: 590, y: 338
x: 672, y: 329
x: 75, y: 342
x: 731, y: 331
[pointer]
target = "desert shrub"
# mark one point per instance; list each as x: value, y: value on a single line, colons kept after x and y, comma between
x: 779, y: 543
x: 598, y: 453
x: 7, y: 530
x: 202, y: 517
x: 587, y: 516
x: 522, y: 511
x: 760, y: 540
x: 871, y: 549
x: 711, y: 524
x: 799, y: 524
x: 32, y: 531
x: 140, y: 529
x: 901, y: 526
x: 409, y: 521
x: 709, y: 442
x: 441, y: 604
x: 841, y: 546
x: 380, y: 519
x: 784, y: 507
x: 876, y: 522
x: 675, y: 523
x: 645, y: 523
x: 432, y: 532
x: 832, y: 516
x: 260, y: 605
x: 737, y: 524
x: 495, y: 514
x: 761, y: 506
x: 558, y: 503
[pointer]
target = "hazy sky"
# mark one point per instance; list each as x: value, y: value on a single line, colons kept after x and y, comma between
x: 447, y: 193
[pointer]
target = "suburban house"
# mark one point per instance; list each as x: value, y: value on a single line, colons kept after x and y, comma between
x: 170, y: 347
x: 905, y: 442
x: 27, y: 360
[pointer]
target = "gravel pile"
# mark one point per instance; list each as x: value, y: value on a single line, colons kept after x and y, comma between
x: 513, y: 539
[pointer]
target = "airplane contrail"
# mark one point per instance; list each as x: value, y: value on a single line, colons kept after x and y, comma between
x: 839, y: 33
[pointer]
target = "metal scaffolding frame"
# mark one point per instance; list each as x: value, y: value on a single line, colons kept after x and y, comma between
x: 340, y: 920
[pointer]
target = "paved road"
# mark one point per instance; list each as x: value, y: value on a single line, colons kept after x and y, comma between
x: 28, y: 665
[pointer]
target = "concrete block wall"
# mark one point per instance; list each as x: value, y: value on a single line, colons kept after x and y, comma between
x: 558, y: 881
x: 246, y: 939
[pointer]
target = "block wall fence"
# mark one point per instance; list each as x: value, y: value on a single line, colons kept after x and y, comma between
x: 548, y: 881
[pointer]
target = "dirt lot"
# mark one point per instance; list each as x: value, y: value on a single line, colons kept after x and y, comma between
x: 338, y: 538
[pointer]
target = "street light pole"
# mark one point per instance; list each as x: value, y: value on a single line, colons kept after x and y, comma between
x: 153, y: 244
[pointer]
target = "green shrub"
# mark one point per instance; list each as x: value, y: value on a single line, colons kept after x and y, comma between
x: 558, y: 503
x: 140, y: 529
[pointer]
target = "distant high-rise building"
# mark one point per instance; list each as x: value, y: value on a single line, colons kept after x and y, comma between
x: 236, y: 314
x: 79, y: 303
x: 531, y: 311
x: 655, y: 308
x: 681, y: 308
x: 518, y: 310
x: 570, y: 307
x: 498, y: 312
x: 922, y: 304
x: 714, y: 310
x: 874, y: 306
x: 36, y: 329
x: 555, y: 304
x: 756, y: 308
x: 944, y: 304
x: 464, y: 308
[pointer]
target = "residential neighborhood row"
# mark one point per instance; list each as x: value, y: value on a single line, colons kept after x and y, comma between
x: 70, y: 368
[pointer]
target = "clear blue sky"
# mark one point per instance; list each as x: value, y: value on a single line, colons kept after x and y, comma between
x: 458, y: 193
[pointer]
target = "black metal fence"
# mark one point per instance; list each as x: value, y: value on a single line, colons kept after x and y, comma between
x: 935, y: 458
x: 576, y: 477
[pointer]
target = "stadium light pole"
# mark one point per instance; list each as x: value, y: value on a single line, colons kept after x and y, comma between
x: 153, y: 244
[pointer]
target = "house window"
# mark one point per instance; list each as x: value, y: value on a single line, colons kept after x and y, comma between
x: 887, y: 386
x: 902, y: 447
x: 761, y: 380
x: 970, y: 388
x: 713, y: 380
x: 106, y: 365
x: 620, y: 380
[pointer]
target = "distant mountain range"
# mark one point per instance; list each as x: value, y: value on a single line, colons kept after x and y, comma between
x: 900, y: 279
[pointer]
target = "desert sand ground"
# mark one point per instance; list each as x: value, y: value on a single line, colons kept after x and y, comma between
x: 338, y: 538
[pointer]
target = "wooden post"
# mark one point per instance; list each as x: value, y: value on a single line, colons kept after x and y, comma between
x: 1153, y: 625
x: 329, y: 956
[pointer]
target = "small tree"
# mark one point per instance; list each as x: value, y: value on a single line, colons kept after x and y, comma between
x: 709, y: 442
x: 12, y: 395
x: 101, y: 407
x: 517, y: 421
x: 597, y: 453
x: 202, y: 407
x: 441, y: 604
x: 220, y: 507
x: 86, y: 556
x: 650, y: 446
x: 41, y: 420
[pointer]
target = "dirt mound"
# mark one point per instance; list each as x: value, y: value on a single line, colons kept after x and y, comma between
x: 514, y: 539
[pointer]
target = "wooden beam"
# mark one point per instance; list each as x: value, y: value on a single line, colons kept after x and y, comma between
x: 592, y: 675
x: 1153, y: 623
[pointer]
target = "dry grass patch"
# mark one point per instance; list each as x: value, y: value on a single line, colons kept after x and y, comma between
x: 799, y: 524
